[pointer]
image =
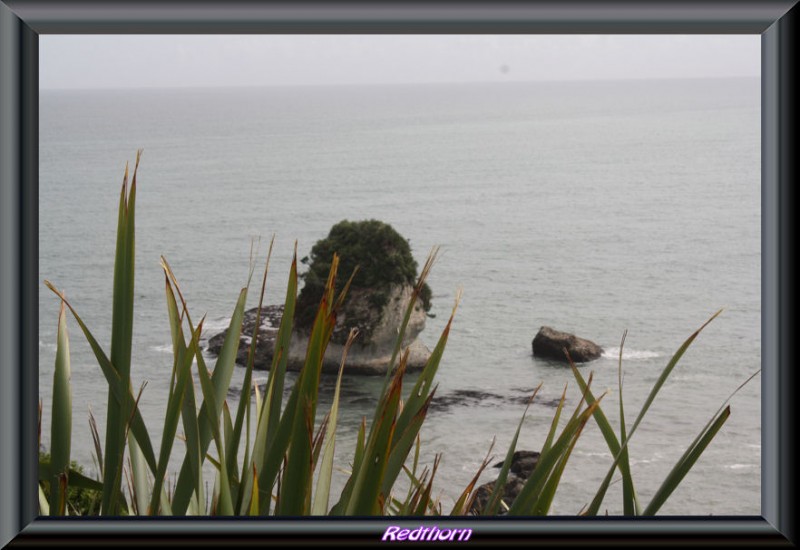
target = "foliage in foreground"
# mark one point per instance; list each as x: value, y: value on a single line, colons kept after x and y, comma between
x: 268, y: 457
x: 80, y: 501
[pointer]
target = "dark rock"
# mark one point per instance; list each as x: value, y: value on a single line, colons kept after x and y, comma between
x: 265, y: 347
x: 523, y: 463
x: 550, y: 344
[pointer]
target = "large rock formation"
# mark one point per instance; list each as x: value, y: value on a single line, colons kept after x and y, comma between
x: 550, y: 344
x: 375, y: 303
x: 522, y: 465
x: 366, y: 356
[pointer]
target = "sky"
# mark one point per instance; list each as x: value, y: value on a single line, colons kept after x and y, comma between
x: 175, y: 61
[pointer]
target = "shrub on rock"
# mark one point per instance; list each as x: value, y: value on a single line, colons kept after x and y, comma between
x: 385, y: 262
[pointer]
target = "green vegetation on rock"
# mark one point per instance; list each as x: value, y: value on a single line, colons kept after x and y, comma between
x: 383, y: 258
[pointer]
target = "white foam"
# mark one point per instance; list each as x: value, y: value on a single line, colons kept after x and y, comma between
x: 589, y: 453
x: 742, y: 466
x: 630, y: 354
x: 213, y: 326
x: 166, y: 348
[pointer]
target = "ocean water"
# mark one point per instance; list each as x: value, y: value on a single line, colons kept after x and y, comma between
x: 592, y: 207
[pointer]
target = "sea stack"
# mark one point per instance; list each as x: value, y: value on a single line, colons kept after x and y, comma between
x: 375, y: 304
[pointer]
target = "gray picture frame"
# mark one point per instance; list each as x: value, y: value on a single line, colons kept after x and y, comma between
x: 21, y: 23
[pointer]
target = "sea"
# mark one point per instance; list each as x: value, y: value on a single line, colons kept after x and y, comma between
x: 593, y: 207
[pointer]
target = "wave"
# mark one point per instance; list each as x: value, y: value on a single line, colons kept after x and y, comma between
x: 630, y: 354
x: 214, y: 326
x: 742, y: 466
x: 166, y: 348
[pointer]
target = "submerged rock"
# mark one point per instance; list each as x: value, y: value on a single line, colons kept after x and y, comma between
x: 550, y: 344
x: 462, y: 398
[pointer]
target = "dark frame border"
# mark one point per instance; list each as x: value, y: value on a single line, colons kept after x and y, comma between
x: 21, y: 22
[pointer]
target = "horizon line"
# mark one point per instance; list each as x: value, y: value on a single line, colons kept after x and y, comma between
x: 391, y: 84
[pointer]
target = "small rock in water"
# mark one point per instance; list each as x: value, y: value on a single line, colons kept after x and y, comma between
x: 523, y: 463
x: 550, y: 344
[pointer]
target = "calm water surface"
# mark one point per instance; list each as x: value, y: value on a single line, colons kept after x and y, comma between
x: 591, y: 207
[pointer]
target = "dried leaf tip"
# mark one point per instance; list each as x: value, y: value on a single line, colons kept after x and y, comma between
x: 426, y: 268
x: 459, y: 295
x: 125, y: 177
x: 57, y: 292
x: 136, y: 166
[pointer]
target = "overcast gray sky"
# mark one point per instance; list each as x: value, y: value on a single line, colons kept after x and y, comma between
x: 134, y: 61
